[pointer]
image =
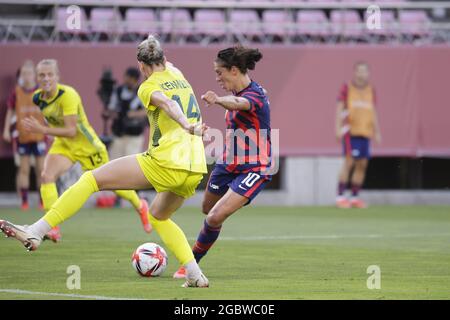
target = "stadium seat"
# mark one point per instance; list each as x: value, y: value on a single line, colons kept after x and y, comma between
x: 319, y: 1
x: 346, y: 23
x: 414, y: 23
x: 210, y: 23
x: 104, y: 21
x: 278, y: 24
x: 140, y: 21
x: 62, y: 27
x: 312, y: 23
x: 176, y: 23
x: 245, y: 24
x: 390, y: 1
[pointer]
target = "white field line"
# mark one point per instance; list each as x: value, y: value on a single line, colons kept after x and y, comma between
x: 67, y: 295
x: 333, y: 236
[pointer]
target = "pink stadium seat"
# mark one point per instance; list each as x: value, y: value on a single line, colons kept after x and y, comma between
x: 140, y: 21
x: 390, y: 1
x: 319, y: 1
x: 210, y: 22
x: 105, y: 20
x: 176, y: 22
x: 414, y: 22
x: 262, y: 1
x: 346, y: 23
x: 278, y: 23
x: 245, y: 22
x: 312, y: 22
x: 61, y: 21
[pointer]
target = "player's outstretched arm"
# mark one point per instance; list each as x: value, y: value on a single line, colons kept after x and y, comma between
x: 68, y: 131
x: 175, y: 112
x: 377, y: 127
x: 228, y: 102
x: 7, y: 126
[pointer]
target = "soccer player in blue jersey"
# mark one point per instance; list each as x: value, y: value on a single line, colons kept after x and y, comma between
x: 242, y: 173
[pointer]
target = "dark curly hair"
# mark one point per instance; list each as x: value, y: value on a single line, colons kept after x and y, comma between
x: 243, y: 58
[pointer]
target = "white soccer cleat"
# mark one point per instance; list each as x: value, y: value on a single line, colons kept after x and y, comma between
x: 30, y: 241
x: 199, y: 282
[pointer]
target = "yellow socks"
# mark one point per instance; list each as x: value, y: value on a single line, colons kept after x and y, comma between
x: 131, y: 196
x: 72, y: 200
x: 174, y: 239
x: 49, y: 194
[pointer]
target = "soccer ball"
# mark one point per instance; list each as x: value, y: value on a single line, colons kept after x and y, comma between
x: 149, y: 260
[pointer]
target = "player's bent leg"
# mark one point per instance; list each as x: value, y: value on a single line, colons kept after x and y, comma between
x: 209, y: 234
x: 209, y: 201
x: 38, y: 171
x: 126, y: 173
x: 23, y: 180
x: 129, y: 170
x: 341, y: 199
x: 53, y: 167
x: 161, y: 209
x: 121, y: 174
x: 357, y: 181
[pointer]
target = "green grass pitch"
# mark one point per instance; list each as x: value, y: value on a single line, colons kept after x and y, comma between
x: 263, y: 253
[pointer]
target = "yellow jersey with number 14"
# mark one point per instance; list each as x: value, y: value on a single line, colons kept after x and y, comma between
x: 170, y: 145
x: 67, y: 102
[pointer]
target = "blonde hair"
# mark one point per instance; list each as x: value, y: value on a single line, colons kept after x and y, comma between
x: 49, y: 62
x: 150, y: 51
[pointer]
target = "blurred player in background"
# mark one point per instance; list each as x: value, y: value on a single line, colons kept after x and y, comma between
x: 26, y: 144
x: 356, y: 125
x: 174, y: 163
x: 75, y: 139
x: 237, y: 179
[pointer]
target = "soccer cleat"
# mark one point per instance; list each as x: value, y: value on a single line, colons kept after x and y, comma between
x: 358, y: 203
x: 180, y: 274
x: 21, y: 233
x: 199, y: 282
x: 143, y: 214
x: 54, y: 235
x: 24, y: 206
x: 343, y: 203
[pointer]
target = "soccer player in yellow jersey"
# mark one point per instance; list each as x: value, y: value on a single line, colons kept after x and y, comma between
x: 174, y: 163
x: 356, y: 124
x: 75, y: 139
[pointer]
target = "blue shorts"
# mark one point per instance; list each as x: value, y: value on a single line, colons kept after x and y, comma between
x: 246, y: 184
x: 36, y: 149
x: 357, y: 147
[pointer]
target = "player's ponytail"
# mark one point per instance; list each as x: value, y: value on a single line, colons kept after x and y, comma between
x: 243, y: 58
x: 150, y: 51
